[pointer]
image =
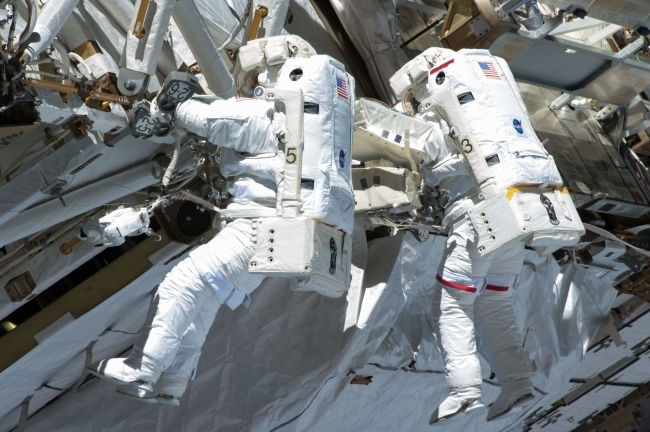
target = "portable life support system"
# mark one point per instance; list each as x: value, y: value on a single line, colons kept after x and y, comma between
x: 520, y: 188
x: 310, y: 240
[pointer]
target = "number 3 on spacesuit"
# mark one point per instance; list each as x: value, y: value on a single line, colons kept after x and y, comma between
x: 467, y: 147
x: 291, y: 155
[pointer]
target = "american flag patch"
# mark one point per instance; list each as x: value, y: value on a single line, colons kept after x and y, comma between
x: 489, y: 70
x: 341, y: 88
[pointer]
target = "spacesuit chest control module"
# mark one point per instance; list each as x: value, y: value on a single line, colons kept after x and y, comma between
x: 520, y: 192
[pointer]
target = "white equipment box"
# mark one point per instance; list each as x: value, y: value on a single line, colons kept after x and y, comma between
x: 381, y: 133
x: 545, y: 219
x: 385, y: 187
x: 317, y: 255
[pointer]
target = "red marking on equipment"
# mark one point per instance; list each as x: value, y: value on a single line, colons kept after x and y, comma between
x: 455, y: 285
x: 442, y: 66
x: 496, y: 288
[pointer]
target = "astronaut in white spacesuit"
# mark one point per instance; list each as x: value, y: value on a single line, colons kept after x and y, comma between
x: 472, y: 100
x: 251, y: 133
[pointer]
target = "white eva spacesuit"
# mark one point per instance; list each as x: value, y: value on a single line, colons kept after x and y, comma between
x: 472, y: 98
x: 251, y: 133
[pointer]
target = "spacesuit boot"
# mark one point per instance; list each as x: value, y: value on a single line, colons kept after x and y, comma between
x: 517, y: 392
x: 461, y: 400
x: 135, y: 370
x: 168, y: 390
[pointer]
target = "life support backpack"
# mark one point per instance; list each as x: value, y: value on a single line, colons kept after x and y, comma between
x: 520, y: 187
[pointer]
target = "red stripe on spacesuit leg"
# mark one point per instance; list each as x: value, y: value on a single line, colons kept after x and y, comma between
x: 442, y: 66
x: 497, y: 288
x: 455, y: 285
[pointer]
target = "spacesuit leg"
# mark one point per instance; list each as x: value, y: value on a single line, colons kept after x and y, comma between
x: 224, y: 262
x: 498, y: 330
x: 172, y: 310
x: 173, y: 381
x: 459, y: 280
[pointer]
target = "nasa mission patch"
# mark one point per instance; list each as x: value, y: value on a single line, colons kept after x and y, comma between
x: 342, y: 158
x: 519, y: 128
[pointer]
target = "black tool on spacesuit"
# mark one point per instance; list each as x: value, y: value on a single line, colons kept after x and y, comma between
x: 549, y: 209
x: 332, y: 255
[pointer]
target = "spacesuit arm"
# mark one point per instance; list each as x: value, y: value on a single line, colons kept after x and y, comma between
x: 438, y: 145
x: 446, y: 104
x: 245, y: 125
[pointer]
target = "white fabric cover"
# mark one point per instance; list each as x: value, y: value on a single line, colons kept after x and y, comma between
x: 285, y: 360
x: 372, y: 26
x: 496, y: 117
x: 326, y: 157
x: 380, y: 133
x: 142, y: 54
x: 222, y: 17
x: 272, y: 51
x: 77, y: 202
x: 24, y: 189
x: 120, y: 170
x: 50, y: 20
x: 273, y: 23
x: 47, y: 268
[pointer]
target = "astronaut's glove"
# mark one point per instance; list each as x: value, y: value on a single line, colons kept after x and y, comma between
x: 111, y: 229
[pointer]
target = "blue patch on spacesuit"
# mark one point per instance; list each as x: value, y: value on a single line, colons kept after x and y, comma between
x: 516, y: 123
x: 342, y: 158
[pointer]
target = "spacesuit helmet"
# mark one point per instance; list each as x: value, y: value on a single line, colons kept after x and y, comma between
x: 410, y: 82
x: 260, y: 60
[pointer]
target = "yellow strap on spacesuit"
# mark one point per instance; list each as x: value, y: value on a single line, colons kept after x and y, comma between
x: 511, y: 191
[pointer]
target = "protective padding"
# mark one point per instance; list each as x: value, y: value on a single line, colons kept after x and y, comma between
x: 381, y: 133
x: 272, y: 51
x: 189, y: 351
x: 495, y: 115
x: 536, y: 217
x: 318, y: 255
x: 176, y: 305
x: 385, y: 187
x: 142, y: 54
x: 495, y: 321
x: 462, y: 366
x: 326, y: 159
x: 251, y: 56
